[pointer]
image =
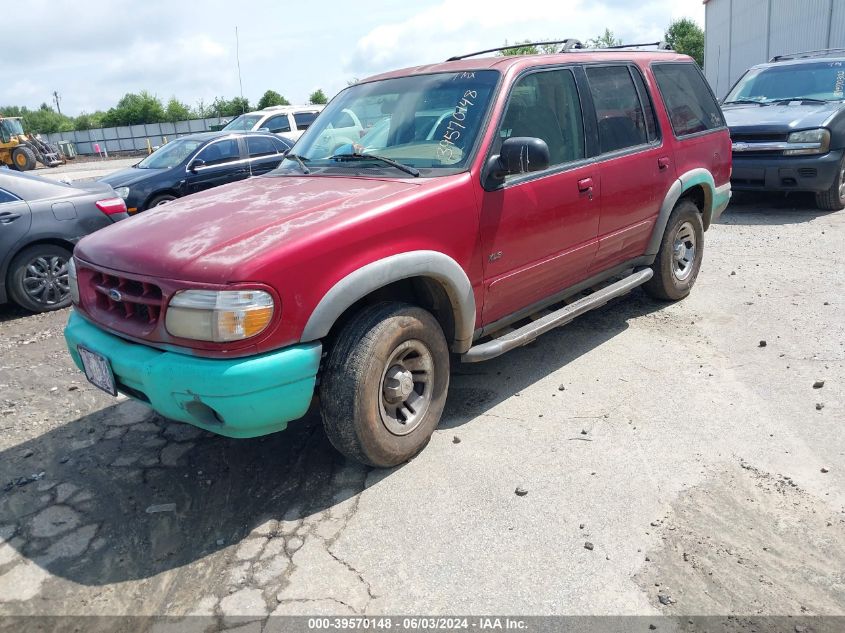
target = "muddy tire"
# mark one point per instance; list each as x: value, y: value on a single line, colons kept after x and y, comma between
x: 834, y: 198
x: 38, y: 278
x: 679, y: 257
x: 384, y: 384
x: 23, y: 158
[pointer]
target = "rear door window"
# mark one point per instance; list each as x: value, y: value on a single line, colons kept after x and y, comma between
x: 261, y: 146
x: 5, y: 196
x: 688, y: 99
x: 619, y: 111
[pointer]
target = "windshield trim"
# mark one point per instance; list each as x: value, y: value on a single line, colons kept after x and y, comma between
x: 425, y: 172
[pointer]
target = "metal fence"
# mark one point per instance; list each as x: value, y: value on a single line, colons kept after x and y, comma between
x: 132, y: 138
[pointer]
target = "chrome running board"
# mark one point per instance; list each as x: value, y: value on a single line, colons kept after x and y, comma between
x: 529, y: 332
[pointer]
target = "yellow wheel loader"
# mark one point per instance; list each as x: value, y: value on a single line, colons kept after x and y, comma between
x: 22, y: 151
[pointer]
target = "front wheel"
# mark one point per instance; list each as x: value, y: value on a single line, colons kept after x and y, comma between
x: 679, y: 257
x: 38, y: 278
x: 384, y: 384
x: 834, y: 198
x: 160, y: 200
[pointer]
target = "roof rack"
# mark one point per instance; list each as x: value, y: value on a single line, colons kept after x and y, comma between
x: 569, y: 44
x: 822, y: 52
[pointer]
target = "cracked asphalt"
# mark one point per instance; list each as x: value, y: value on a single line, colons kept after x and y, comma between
x: 701, y: 464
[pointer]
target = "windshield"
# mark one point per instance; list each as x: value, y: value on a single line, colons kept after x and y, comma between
x: 11, y: 127
x: 428, y: 122
x: 243, y: 123
x: 170, y: 155
x: 823, y: 81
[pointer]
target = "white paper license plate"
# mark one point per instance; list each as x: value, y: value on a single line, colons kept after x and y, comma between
x: 97, y: 370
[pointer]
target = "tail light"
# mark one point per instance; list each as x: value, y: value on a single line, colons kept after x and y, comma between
x: 111, y: 206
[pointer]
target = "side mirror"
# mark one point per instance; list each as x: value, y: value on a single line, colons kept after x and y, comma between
x: 518, y: 155
x: 196, y: 164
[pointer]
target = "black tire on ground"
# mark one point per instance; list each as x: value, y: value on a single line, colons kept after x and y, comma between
x: 38, y: 279
x: 677, y: 266
x: 361, y: 420
x: 23, y: 158
x: 160, y: 199
x: 834, y: 198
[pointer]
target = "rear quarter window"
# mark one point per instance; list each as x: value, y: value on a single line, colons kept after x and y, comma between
x: 688, y: 99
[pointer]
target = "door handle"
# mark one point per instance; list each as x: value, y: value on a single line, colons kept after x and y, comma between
x: 585, y: 185
x: 663, y: 163
x: 6, y: 217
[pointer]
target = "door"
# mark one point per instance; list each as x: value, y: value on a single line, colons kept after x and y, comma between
x: 15, y: 220
x: 222, y: 163
x: 265, y: 154
x: 539, y: 229
x: 636, y: 167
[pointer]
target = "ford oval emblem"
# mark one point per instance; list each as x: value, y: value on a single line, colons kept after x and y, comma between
x: 114, y: 294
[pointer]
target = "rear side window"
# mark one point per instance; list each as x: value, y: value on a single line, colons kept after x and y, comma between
x: 260, y: 146
x: 304, y: 119
x: 619, y: 112
x: 688, y: 99
x: 5, y: 196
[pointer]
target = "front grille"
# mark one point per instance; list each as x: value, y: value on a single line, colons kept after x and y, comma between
x: 131, y: 300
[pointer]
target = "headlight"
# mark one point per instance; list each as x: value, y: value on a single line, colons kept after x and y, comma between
x: 123, y: 192
x: 809, y: 142
x: 72, y: 282
x: 219, y: 316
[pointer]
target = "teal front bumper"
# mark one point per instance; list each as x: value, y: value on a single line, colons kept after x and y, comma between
x: 241, y: 397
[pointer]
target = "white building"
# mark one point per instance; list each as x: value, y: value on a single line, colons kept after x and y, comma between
x: 741, y: 33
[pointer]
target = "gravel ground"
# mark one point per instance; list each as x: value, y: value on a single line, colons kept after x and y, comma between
x: 685, y: 443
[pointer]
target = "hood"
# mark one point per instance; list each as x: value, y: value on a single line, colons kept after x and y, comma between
x: 129, y: 176
x: 779, y: 118
x: 211, y: 236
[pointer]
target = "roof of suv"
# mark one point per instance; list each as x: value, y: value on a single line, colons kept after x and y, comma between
x: 505, y: 63
x: 289, y: 109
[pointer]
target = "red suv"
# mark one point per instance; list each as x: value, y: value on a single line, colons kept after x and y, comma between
x: 502, y: 188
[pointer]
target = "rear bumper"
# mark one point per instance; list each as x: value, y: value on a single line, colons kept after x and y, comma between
x: 242, y: 397
x: 784, y: 173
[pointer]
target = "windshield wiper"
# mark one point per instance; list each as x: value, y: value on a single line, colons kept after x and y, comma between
x: 743, y: 101
x: 299, y: 161
x: 387, y: 161
x: 787, y: 100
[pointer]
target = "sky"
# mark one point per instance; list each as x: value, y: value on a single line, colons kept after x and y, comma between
x: 98, y: 50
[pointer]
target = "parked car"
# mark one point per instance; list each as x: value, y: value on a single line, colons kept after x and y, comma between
x: 787, y: 122
x: 194, y: 163
x: 286, y: 121
x: 40, y: 221
x: 553, y: 175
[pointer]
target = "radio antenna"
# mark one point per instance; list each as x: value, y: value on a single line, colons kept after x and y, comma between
x: 241, y: 86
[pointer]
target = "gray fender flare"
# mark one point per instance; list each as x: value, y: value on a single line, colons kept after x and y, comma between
x: 698, y: 176
x: 358, y: 284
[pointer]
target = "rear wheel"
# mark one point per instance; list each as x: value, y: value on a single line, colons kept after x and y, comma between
x: 384, y: 384
x: 38, y: 278
x: 23, y: 158
x: 679, y: 257
x: 834, y: 198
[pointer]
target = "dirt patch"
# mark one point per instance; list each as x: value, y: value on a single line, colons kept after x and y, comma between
x: 750, y: 542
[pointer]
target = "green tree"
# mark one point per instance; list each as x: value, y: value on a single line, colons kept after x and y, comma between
x: 87, y: 121
x: 685, y: 36
x: 605, y: 40
x: 135, y: 109
x: 318, y: 97
x: 232, y: 107
x: 271, y: 98
x: 176, y: 111
x: 45, y: 120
